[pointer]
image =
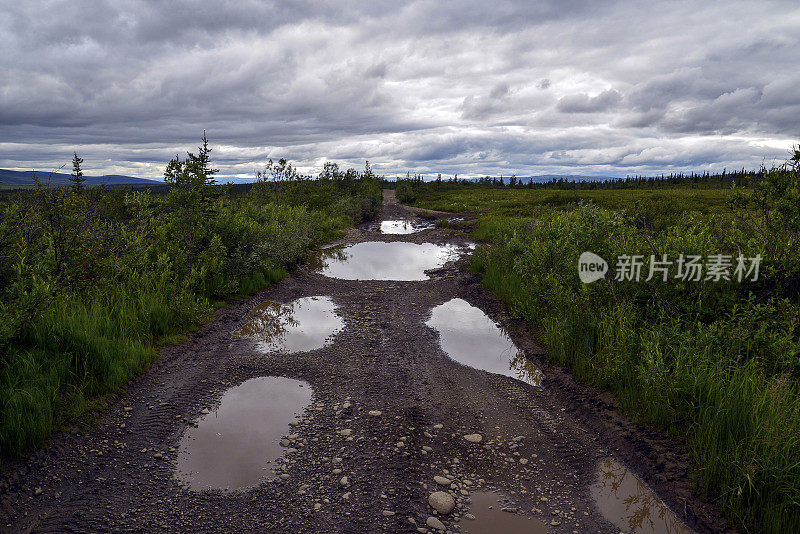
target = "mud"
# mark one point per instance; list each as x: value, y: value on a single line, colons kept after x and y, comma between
x: 389, y: 412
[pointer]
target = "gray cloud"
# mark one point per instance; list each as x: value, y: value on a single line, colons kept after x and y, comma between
x: 583, y: 103
x: 467, y: 86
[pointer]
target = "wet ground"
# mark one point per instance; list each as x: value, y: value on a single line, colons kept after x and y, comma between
x: 398, y: 428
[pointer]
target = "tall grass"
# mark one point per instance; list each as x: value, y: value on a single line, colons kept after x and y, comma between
x: 715, y: 362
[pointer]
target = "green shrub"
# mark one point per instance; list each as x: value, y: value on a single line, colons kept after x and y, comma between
x: 90, y: 281
x: 716, y: 362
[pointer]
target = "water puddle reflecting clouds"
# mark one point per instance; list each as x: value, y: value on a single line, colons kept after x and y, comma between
x: 470, y: 337
x: 403, y: 226
x: 302, y: 325
x: 376, y: 260
x: 487, y: 508
x: 233, y: 446
x: 630, y: 505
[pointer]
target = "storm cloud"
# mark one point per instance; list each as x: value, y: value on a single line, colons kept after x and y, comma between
x: 467, y: 87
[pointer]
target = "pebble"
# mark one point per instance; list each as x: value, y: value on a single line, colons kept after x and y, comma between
x: 344, y: 482
x: 473, y: 438
x: 435, y: 523
x: 346, y: 431
x: 442, y: 502
x: 204, y: 411
x: 387, y: 513
x: 442, y: 481
x: 375, y: 413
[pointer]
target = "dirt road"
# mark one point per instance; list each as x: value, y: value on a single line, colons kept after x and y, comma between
x: 540, y: 447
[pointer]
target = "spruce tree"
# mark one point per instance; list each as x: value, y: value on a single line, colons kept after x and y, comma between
x: 76, y: 177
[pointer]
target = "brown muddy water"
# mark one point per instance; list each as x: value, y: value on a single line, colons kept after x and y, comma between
x: 471, y: 338
x: 487, y: 508
x: 630, y: 505
x: 234, y: 445
x: 403, y: 226
x: 302, y: 325
x: 376, y: 260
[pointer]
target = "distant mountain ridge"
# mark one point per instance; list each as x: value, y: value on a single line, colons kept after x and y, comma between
x: 8, y: 177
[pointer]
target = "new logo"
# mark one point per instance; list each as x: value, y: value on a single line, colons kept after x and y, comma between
x: 591, y: 267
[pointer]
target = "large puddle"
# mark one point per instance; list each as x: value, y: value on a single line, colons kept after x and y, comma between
x: 403, y: 226
x: 302, y: 325
x: 630, y: 505
x: 470, y: 337
x: 487, y: 508
x: 375, y: 260
x: 232, y: 446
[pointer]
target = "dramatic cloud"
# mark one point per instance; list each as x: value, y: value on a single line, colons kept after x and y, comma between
x: 467, y: 87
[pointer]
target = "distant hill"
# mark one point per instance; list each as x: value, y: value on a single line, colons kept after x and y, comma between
x: 12, y: 178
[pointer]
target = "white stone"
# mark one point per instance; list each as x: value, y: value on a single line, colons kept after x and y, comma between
x: 435, y: 523
x: 442, y: 502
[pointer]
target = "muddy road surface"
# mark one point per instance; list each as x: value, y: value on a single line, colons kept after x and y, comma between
x: 333, y: 402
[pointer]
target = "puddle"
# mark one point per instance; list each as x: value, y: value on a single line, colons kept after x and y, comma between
x: 375, y: 260
x: 403, y: 226
x: 470, y: 337
x: 232, y: 447
x: 490, y: 518
x: 630, y: 505
x: 302, y: 325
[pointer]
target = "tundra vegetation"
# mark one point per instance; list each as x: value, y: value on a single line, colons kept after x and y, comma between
x: 714, y: 362
x: 93, y: 279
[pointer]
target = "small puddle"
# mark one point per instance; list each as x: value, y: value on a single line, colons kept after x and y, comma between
x: 490, y: 517
x: 375, y: 260
x: 470, y: 337
x: 630, y: 505
x: 403, y: 226
x: 302, y: 325
x: 232, y: 447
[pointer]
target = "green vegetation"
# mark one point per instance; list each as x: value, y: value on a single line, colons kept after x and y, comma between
x: 91, y: 280
x: 717, y: 362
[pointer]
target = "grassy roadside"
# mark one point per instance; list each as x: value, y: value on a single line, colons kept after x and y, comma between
x: 92, y: 280
x: 715, y: 362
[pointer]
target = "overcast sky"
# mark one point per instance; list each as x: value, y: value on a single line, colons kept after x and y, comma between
x: 467, y: 87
